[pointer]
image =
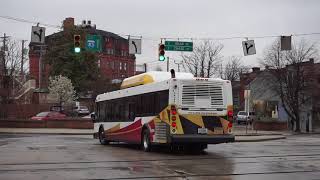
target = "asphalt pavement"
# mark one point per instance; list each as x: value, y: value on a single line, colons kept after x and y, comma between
x: 42, y: 156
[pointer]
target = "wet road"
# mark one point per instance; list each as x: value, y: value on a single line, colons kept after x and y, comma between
x: 81, y: 157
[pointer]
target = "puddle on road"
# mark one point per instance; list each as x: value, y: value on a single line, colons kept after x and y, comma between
x: 2, y: 143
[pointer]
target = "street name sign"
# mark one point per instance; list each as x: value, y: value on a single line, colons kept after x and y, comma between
x: 178, y: 46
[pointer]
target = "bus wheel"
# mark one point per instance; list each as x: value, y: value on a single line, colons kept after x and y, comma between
x: 102, y: 137
x: 146, y: 145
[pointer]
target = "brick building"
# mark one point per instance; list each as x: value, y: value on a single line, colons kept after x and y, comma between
x: 115, y: 62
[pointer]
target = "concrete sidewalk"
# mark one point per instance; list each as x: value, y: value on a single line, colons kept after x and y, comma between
x: 248, y: 134
x: 46, y: 131
x: 240, y: 134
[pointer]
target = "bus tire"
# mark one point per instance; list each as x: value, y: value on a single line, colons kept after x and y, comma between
x: 146, y: 144
x: 102, y: 137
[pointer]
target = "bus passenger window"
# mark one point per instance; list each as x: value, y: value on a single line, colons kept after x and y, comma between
x: 132, y: 111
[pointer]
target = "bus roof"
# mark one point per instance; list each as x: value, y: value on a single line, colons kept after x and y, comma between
x: 150, y: 77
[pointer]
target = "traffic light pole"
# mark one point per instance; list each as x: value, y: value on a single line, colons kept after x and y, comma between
x: 168, y: 64
x: 40, y: 67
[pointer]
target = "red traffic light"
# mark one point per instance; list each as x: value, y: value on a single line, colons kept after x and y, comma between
x: 161, y: 46
x: 77, y: 37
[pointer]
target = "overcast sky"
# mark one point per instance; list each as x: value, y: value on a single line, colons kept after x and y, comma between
x: 153, y: 19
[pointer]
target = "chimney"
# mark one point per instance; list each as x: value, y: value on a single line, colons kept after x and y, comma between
x: 311, y: 60
x: 255, y: 69
x: 68, y: 23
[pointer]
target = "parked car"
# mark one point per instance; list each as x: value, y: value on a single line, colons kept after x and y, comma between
x: 244, y: 117
x: 49, y: 115
x: 82, y: 110
x: 57, y: 108
x: 90, y: 116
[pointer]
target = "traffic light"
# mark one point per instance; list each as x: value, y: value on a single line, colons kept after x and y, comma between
x: 161, y: 52
x: 77, y: 39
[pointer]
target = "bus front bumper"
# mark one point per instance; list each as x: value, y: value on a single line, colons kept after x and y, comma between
x: 207, y: 139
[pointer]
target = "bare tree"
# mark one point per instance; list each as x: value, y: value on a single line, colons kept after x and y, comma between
x: 233, y: 69
x: 204, y: 60
x: 13, y: 59
x: 12, y: 68
x: 290, y: 77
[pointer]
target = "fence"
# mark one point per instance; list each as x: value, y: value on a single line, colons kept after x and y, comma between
x: 21, y: 111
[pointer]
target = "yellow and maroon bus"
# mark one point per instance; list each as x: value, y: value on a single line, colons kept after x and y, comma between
x: 163, y: 108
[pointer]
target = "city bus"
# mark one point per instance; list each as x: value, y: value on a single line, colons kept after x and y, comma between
x: 163, y: 108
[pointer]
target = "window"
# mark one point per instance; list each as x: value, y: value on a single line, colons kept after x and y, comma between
x: 120, y: 67
x: 125, y: 66
x: 132, y: 111
x: 127, y: 108
x: 112, y: 65
x: 110, y: 51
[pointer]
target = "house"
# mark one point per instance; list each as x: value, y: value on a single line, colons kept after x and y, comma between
x: 266, y: 101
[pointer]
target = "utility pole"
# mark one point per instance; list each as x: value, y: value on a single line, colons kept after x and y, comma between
x: 40, y: 66
x: 22, y: 59
x: 3, y: 50
x: 145, y: 67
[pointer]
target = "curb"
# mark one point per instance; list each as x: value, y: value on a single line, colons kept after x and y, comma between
x: 276, y: 134
x: 259, y: 140
x: 46, y: 133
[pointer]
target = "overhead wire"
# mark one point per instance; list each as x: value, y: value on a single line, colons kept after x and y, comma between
x: 165, y: 38
x: 30, y: 22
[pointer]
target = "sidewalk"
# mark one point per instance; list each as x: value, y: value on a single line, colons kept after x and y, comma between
x: 46, y: 131
x: 247, y: 134
x: 243, y: 131
x: 240, y: 134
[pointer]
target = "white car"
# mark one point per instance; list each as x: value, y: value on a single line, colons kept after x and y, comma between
x: 90, y: 116
x: 243, y: 116
x: 82, y: 110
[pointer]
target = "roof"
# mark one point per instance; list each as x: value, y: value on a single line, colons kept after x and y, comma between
x: 150, y: 77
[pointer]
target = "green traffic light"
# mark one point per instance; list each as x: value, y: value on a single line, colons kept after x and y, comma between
x: 162, y: 58
x: 77, y: 49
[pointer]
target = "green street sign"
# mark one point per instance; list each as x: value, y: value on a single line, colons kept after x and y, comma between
x: 94, y: 43
x: 178, y: 46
